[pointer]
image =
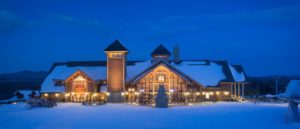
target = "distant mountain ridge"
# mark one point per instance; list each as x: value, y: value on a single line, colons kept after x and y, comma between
x: 23, y: 80
x: 24, y: 75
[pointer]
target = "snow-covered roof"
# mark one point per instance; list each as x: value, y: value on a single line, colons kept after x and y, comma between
x: 136, y: 69
x: 293, y: 89
x: 237, y: 76
x: 63, y: 72
x: 204, y: 72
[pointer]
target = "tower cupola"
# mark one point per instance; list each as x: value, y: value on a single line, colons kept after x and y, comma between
x: 116, y: 55
x: 160, y: 53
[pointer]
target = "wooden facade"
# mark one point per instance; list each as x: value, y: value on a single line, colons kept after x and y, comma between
x: 142, y: 88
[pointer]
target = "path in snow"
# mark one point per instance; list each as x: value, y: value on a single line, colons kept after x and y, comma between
x: 223, y: 115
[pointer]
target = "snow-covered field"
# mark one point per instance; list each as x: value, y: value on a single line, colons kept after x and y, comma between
x: 222, y: 115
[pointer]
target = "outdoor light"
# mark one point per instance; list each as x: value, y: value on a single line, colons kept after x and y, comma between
x: 122, y: 94
x: 66, y: 95
x: 203, y: 93
x: 56, y: 95
x: 107, y: 93
x: 72, y: 93
x: 217, y: 92
x: 137, y: 93
x: 95, y: 94
x: 211, y: 93
x: 126, y: 93
x: 226, y: 93
x: 197, y: 93
x: 130, y: 89
x: 46, y: 95
x: 172, y: 90
x: 186, y: 93
x: 142, y: 90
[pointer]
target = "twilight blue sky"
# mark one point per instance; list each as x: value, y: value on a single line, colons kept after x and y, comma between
x: 261, y: 35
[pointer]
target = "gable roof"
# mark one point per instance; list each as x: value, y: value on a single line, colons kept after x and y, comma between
x: 161, y: 50
x: 206, y: 73
x: 63, y: 72
x: 116, y: 46
x: 201, y: 72
x: 167, y: 65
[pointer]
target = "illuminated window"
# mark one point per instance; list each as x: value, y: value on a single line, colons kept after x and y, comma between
x: 116, y: 54
x: 207, y: 95
x: 161, y: 78
x: 79, y: 84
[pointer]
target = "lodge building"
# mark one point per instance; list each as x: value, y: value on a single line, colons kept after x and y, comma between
x: 120, y: 80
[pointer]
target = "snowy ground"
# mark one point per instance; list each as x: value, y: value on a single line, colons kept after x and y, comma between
x: 223, y: 115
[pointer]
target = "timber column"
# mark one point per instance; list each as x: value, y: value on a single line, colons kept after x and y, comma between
x: 116, y: 55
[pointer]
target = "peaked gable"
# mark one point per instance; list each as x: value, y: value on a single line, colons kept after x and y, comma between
x: 116, y: 46
x: 166, y: 65
x: 161, y: 50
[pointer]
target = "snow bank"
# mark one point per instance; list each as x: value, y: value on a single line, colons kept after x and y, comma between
x: 293, y: 89
x: 120, y: 116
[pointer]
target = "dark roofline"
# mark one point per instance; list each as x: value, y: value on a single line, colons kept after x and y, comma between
x: 226, y: 71
x: 116, y: 46
x: 88, y: 63
x: 240, y: 69
x: 160, y: 50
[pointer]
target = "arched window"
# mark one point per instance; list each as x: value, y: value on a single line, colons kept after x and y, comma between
x: 79, y: 84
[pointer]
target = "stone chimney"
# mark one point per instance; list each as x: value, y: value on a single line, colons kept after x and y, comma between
x: 176, y: 53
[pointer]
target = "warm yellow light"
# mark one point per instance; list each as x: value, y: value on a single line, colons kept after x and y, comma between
x: 46, y: 95
x: 79, y: 78
x: 137, y: 93
x: 131, y: 89
x: 197, y: 93
x: 73, y: 93
x: 211, y: 93
x: 66, y: 95
x: 207, y: 95
x: 122, y: 93
x: 126, y: 93
x: 56, y: 95
x: 186, y: 93
x: 95, y: 94
x: 107, y: 93
x: 217, y: 92
x: 226, y: 93
x: 86, y: 93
